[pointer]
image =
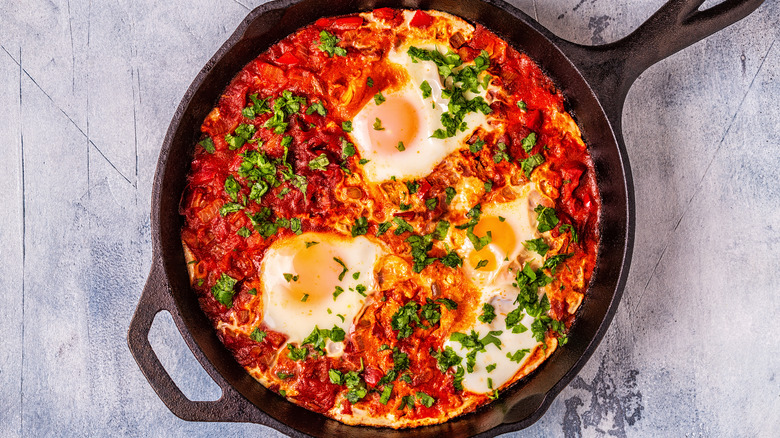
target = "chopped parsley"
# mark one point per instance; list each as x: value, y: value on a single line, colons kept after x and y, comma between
x: 479, y: 242
x: 490, y: 368
x: 442, y: 228
x: 304, y: 298
x: 319, y: 163
x: 344, y: 269
x: 537, y: 245
x: 336, y: 376
x: 529, y: 164
x: 385, y: 396
x: 317, y: 107
x: 347, y: 148
x: 207, y: 144
x: 403, y: 319
x: 518, y: 355
x: 521, y: 104
x: 446, y: 358
x: 476, y: 146
x: 425, y: 399
x: 420, y: 246
x: 426, y: 89
x: 370, y: 82
x: 528, y: 282
x: 257, y: 107
x: 284, y: 106
x: 243, y: 133
x: 290, y: 277
x: 452, y: 260
x: 501, y: 154
x: 339, y: 290
x: 401, y: 146
x: 361, y: 289
x: 488, y: 313
x: 297, y: 353
x: 450, y: 194
x: 318, y: 337
x: 244, y: 232
x: 379, y: 98
x: 360, y: 227
x: 346, y: 126
x: 356, y: 385
x: 262, y: 173
x: 552, y: 262
x: 257, y: 335
x: 402, y: 226
x: 546, y: 217
x: 383, y: 227
x: 328, y: 43
x: 567, y: 227
x: 412, y: 186
x: 529, y: 142
x: 400, y: 363
x: 378, y: 124
x: 406, y: 401
x: 283, y: 192
x: 223, y: 290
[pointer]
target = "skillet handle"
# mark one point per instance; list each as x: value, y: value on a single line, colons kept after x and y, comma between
x: 155, y: 298
x: 612, y: 68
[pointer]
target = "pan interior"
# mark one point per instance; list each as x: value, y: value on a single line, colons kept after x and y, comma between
x: 518, y: 406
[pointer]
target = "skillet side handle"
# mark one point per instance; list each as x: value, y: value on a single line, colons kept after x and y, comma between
x: 154, y: 299
x: 612, y: 68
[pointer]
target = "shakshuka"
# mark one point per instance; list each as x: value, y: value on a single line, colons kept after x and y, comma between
x: 391, y: 217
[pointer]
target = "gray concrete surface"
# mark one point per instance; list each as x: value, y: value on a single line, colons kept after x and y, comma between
x: 87, y: 90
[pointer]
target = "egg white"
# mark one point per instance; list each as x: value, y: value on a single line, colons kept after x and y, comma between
x: 285, y: 309
x: 519, y: 215
x: 424, y: 152
x: 497, y: 290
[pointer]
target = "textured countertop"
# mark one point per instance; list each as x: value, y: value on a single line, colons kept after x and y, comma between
x: 88, y: 88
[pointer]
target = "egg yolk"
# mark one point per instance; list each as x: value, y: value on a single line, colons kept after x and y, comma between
x: 318, y: 275
x: 502, y: 236
x: 399, y: 123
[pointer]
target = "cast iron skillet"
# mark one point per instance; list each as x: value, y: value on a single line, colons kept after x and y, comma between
x: 595, y: 82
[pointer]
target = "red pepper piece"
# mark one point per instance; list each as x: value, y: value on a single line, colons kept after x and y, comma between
x: 348, y: 23
x: 424, y: 187
x: 288, y: 58
x: 323, y: 22
x: 421, y: 19
x: 384, y: 13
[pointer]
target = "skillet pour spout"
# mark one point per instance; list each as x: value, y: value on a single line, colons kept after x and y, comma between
x: 595, y: 82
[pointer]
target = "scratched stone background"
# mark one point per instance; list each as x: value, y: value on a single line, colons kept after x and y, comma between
x: 87, y: 89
